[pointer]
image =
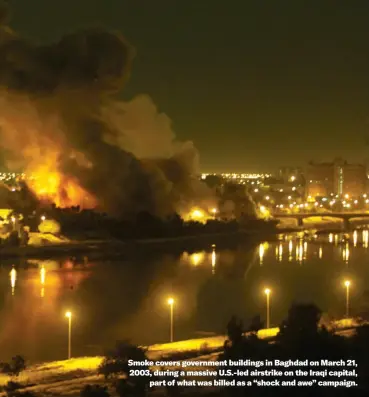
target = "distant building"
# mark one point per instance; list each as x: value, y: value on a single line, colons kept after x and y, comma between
x: 337, y: 177
x: 291, y: 174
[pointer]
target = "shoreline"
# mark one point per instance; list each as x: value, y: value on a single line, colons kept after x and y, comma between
x: 178, y: 243
x: 121, y: 247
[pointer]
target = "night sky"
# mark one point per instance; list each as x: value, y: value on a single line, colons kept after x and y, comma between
x: 255, y: 84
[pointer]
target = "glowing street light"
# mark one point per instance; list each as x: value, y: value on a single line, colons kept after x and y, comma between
x: 171, y: 304
x: 68, y: 314
x: 43, y: 218
x: 267, y: 292
x: 347, y: 285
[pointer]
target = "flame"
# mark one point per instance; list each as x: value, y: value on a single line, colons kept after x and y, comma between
x: 52, y: 186
x: 197, y: 214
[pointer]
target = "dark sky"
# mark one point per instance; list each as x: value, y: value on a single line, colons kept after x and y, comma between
x: 255, y: 84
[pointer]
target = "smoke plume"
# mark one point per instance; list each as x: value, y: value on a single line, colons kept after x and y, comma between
x: 61, y: 123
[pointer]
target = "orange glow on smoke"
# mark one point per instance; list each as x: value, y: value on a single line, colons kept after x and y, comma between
x: 51, y: 186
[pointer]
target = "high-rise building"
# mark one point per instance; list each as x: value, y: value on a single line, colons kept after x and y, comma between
x: 338, y: 177
x: 319, y: 179
x: 291, y: 174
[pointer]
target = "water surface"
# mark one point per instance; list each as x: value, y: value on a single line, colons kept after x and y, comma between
x: 127, y: 298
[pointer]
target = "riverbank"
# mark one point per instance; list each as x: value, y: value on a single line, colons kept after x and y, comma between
x: 68, y: 377
x: 117, y: 247
x: 113, y: 248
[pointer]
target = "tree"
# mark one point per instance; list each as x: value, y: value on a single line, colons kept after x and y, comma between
x: 116, y: 364
x: 15, y: 367
x: 256, y: 324
x: 234, y: 330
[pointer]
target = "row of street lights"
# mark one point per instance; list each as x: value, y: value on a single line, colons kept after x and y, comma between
x: 171, y: 302
x: 268, y: 291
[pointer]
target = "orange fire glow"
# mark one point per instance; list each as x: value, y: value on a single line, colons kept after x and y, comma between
x: 51, y: 186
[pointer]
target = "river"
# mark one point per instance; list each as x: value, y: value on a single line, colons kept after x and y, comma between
x: 126, y: 298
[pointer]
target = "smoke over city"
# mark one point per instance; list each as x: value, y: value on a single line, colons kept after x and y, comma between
x: 61, y: 124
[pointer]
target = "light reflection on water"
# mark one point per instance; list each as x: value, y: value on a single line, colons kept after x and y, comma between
x: 121, y: 299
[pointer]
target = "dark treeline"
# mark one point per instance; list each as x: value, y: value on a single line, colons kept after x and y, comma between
x: 89, y: 224
x: 301, y: 338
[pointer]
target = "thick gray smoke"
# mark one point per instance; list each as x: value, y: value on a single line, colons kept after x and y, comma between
x: 59, y: 115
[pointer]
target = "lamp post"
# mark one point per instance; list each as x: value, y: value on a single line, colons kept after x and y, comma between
x: 68, y: 314
x: 171, y: 304
x: 347, y: 285
x: 267, y: 292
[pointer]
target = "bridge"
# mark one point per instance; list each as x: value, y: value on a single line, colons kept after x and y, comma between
x: 345, y: 216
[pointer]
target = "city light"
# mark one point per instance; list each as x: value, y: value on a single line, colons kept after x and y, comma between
x: 347, y: 285
x: 267, y: 292
x: 171, y: 304
x: 68, y: 315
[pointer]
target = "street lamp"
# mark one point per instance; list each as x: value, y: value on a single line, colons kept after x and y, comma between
x: 171, y: 304
x: 68, y: 314
x: 267, y: 292
x: 347, y: 285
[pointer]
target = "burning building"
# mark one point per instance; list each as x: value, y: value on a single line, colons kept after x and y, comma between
x: 62, y: 124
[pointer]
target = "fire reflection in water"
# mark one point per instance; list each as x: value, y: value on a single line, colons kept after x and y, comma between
x: 262, y: 250
x: 320, y: 252
x: 42, y: 280
x: 213, y: 260
x: 13, y: 279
